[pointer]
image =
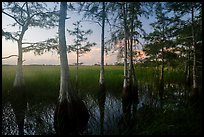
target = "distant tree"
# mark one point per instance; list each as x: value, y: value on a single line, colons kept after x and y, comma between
x: 79, y: 47
x: 26, y: 15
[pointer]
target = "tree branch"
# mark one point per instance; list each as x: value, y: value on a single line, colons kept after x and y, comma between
x: 9, y: 56
x: 22, y: 12
x: 32, y: 43
x: 67, y: 18
x: 49, y: 12
x: 28, y: 13
x: 93, y: 22
x: 12, y: 17
x: 7, y: 34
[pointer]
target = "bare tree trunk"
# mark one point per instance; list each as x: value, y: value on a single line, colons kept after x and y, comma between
x: 63, y: 94
x: 161, y: 86
x: 19, y: 80
x: 125, y: 82
x: 101, y: 79
x: 77, y: 68
x: 133, y: 80
x: 195, y: 90
x: 71, y: 115
x: 188, y: 76
x: 102, y: 91
x: 126, y: 94
x: 77, y: 57
x: 129, y: 59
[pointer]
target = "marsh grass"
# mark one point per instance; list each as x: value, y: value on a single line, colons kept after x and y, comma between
x: 43, y: 83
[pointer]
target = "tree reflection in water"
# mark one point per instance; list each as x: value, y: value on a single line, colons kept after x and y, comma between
x: 101, y: 104
x: 18, y: 100
x: 106, y: 111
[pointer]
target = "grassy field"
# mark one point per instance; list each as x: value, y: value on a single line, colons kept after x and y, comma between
x: 43, y: 82
x: 47, y: 78
x: 44, y: 78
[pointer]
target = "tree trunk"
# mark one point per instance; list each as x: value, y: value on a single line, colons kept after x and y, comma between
x: 71, y: 115
x: 101, y: 79
x: 77, y: 68
x: 161, y: 85
x: 133, y: 80
x: 188, y: 76
x: 19, y: 80
x: 125, y: 82
x: 126, y: 93
x: 101, y: 95
x: 63, y: 94
x: 77, y: 56
x: 195, y: 90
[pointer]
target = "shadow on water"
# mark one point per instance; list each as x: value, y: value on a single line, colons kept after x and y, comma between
x: 101, y: 103
x: 109, y: 114
x: 39, y: 118
x: 22, y: 115
x: 18, y: 101
x: 130, y: 102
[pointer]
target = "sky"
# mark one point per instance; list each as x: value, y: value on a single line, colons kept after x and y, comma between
x: 49, y: 58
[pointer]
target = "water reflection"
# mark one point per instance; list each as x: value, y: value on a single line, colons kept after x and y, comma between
x: 39, y: 119
x: 101, y: 103
x: 9, y: 125
x: 106, y: 111
x: 23, y: 116
x: 129, y: 107
x: 18, y: 101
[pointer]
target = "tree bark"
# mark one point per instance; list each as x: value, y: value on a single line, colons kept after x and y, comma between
x: 77, y: 66
x: 195, y: 92
x: 161, y: 85
x: 188, y: 76
x: 63, y: 94
x: 77, y: 56
x: 101, y: 79
x: 125, y: 82
x: 71, y: 115
x: 19, y: 80
x: 133, y: 79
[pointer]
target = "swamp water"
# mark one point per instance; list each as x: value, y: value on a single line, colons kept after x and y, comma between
x: 106, y: 113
